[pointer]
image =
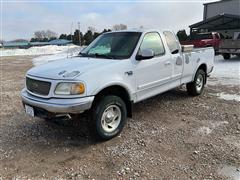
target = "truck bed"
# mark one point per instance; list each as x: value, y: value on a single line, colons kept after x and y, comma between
x: 230, y: 44
x: 193, y: 59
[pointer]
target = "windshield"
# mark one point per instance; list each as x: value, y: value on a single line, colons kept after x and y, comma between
x: 117, y: 45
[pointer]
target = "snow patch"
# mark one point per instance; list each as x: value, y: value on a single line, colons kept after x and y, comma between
x: 206, y: 130
x: 43, y: 50
x: 230, y: 172
x: 228, y: 97
x: 71, y: 52
x: 226, y: 72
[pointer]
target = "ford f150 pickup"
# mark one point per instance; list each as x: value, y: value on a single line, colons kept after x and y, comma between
x: 115, y: 71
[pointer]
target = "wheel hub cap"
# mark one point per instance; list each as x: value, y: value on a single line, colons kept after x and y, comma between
x: 111, y: 118
x: 199, y: 82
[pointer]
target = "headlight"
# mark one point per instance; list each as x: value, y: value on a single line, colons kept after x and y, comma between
x: 70, y: 89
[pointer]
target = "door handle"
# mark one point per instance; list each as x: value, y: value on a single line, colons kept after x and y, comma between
x: 167, y: 63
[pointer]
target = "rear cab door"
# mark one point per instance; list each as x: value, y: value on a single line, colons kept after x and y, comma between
x: 176, y: 57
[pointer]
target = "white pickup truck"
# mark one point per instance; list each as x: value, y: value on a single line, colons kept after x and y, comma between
x: 115, y: 71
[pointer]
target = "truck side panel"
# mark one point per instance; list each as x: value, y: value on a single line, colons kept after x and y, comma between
x: 193, y: 60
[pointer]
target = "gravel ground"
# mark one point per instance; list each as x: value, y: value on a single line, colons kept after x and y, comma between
x: 170, y: 136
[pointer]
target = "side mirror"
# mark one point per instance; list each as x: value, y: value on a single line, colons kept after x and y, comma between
x: 187, y: 48
x: 145, y: 54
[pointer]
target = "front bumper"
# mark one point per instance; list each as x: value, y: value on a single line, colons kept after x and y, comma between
x: 57, y: 105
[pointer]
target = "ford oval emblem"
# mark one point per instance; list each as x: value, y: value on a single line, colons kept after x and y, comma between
x: 35, y: 85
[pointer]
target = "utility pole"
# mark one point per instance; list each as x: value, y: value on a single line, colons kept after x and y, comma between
x: 71, y: 32
x: 71, y: 38
x: 79, y: 33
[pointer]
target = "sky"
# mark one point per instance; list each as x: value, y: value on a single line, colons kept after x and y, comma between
x: 21, y: 18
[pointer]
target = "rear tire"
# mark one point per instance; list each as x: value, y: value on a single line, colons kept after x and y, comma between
x: 108, y: 117
x: 226, y: 56
x: 196, y: 87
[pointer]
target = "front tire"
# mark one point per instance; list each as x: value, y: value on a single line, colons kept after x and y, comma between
x: 196, y: 87
x: 108, y: 117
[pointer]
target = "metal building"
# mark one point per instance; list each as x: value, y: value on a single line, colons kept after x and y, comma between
x: 60, y: 42
x: 221, y: 7
x: 13, y: 45
x: 220, y: 16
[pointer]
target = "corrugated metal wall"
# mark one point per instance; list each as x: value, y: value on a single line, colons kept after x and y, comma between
x: 226, y: 6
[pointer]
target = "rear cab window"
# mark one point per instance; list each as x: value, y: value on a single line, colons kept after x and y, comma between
x: 217, y: 36
x: 172, y: 42
x: 202, y: 36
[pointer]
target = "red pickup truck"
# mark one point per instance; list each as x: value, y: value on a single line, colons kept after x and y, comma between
x: 210, y: 39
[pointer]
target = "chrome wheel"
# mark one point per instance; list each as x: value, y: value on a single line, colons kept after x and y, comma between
x: 199, y: 82
x: 111, y: 118
x: 196, y: 87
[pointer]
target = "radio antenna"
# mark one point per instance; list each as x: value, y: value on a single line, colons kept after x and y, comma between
x: 71, y: 38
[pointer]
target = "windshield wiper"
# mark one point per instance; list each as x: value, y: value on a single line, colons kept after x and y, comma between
x: 103, y: 55
x: 96, y: 55
x: 83, y: 54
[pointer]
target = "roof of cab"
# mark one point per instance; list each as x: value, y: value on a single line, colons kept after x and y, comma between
x: 141, y: 30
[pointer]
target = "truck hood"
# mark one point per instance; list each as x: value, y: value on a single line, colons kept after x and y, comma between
x: 69, y: 68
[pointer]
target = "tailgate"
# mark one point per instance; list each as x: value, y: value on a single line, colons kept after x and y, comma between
x: 230, y: 44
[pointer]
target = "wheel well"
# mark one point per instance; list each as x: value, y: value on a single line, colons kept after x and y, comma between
x: 117, y: 91
x: 204, y: 68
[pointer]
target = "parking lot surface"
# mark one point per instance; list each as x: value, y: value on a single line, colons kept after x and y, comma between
x: 170, y: 136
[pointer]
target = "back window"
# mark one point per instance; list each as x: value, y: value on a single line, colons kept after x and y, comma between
x: 202, y: 36
x: 217, y: 36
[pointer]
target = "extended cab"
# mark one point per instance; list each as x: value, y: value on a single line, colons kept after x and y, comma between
x: 115, y: 71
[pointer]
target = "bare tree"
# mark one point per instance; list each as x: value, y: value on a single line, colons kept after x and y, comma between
x: 20, y: 40
x: 38, y: 34
x: 50, y: 34
x: 118, y: 27
x: 92, y: 29
x: 45, y: 34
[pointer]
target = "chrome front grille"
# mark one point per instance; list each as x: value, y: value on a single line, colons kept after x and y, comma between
x: 38, y: 87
